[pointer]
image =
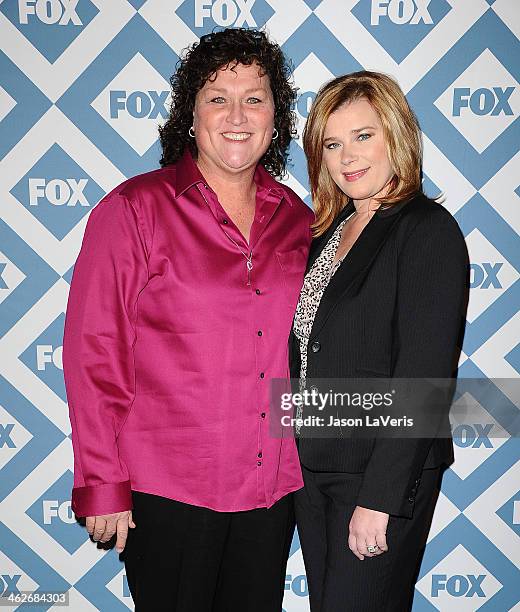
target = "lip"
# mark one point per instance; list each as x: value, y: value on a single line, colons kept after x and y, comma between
x: 356, y: 175
x: 237, y: 136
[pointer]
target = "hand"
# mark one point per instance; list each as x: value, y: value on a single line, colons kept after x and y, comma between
x: 103, y: 527
x: 367, y: 528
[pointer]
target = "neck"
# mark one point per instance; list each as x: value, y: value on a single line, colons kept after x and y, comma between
x: 369, y: 207
x: 222, y: 182
x: 365, y: 209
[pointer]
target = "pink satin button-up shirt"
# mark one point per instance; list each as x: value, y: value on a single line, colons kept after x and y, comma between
x: 170, y: 343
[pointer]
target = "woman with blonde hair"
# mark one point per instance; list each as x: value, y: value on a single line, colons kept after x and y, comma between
x: 384, y: 296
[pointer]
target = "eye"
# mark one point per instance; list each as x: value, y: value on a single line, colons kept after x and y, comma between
x: 253, y: 100
x: 332, y: 145
x: 364, y: 136
x: 218, y: 100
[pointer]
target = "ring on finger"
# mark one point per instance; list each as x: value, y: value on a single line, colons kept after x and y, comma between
x: 373, y: 549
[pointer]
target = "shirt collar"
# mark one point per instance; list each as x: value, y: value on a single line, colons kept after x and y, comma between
x: 188, y: 175
x: 264, y: 180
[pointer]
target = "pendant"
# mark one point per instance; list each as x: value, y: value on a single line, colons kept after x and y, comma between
x: 249, y: 266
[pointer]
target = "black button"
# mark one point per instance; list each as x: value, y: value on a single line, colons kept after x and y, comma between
x: 225, y: 221
x: 259, y: 332
x: 258, y: 463
x: 262, y: 375
x: 258, y: 292
x: 260, y: 455
x: 262, y: 414
x: 411, y: 499
x: 315, y: 346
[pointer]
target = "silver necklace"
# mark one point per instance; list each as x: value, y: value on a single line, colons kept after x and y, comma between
x: 248, y: 258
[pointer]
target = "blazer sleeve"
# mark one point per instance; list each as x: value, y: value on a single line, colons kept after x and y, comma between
x: 430, y: 313
x: 100, y: 332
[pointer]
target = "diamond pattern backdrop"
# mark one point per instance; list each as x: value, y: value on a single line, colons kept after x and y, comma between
x: 84, y: 84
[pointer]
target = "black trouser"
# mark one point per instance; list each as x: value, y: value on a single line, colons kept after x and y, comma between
x: 338, y: 581
x: 185, y: 558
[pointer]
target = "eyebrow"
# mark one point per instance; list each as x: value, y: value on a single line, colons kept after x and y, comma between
x: 222, y: 90
x: 366, y: 127
x: 356, y: 131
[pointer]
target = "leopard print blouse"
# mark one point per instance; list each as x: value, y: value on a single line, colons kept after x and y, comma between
x: 314, y: 284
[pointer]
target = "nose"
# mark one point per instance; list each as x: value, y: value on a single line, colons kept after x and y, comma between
x: 236, y: 115
x: 348, y: 155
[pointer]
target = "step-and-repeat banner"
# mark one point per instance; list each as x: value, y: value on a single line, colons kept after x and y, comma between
x: 84, y: 84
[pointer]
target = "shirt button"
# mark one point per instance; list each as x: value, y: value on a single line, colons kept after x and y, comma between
x: 259, y: 332
x: 260, y: 455
x: 258, y: 463
x: 315, y: 347
x: 225, y: 221
x: 262, y: 414
x: 258, y: 292
x: 262, y: 375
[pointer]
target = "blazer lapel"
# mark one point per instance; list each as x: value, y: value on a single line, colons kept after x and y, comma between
x: 317, y: 246
x: 354, y: 266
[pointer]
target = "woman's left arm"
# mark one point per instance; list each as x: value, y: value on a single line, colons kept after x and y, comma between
x: 430, y: 312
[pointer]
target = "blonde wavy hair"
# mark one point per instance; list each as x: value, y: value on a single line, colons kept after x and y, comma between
x: 401, y: 133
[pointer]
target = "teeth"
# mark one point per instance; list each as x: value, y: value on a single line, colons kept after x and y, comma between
x: 234, y: 136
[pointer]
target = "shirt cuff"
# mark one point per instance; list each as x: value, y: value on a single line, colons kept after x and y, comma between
x: 102, y: 499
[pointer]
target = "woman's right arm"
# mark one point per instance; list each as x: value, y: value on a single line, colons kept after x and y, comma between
x: 98, y: 363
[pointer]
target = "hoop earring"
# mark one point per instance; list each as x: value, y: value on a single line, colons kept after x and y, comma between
x: 275, y: 137
x: 191, y: 132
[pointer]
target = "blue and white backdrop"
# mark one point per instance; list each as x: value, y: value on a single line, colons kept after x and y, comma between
x: 84, y: 84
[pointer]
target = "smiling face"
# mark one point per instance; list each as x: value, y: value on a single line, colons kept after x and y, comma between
x: 233, y: 120
x: 355, y: 154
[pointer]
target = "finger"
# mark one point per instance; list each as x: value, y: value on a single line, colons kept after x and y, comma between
x: 362, y: 548
x: 110, y: 530
x: 122, y: 535
x: 372, y: 548
x: 381, y: 542
x: 131, y: 520
x: 99, y: 528
x: 352, y: 544
x: 90, y: 522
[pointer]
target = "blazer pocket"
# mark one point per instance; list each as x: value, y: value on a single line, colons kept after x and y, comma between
x: 293, y: 265
x: 371, y: 373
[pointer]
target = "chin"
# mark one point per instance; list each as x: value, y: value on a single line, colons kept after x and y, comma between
x: 239, y: 164
x: 355, y: 194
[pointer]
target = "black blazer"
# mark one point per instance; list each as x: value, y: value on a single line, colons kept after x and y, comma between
x: 395, y: 308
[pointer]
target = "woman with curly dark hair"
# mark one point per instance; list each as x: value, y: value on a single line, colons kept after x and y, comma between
x: 179, y: 314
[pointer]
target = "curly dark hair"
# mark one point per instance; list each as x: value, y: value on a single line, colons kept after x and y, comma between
x: 200, y: 62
